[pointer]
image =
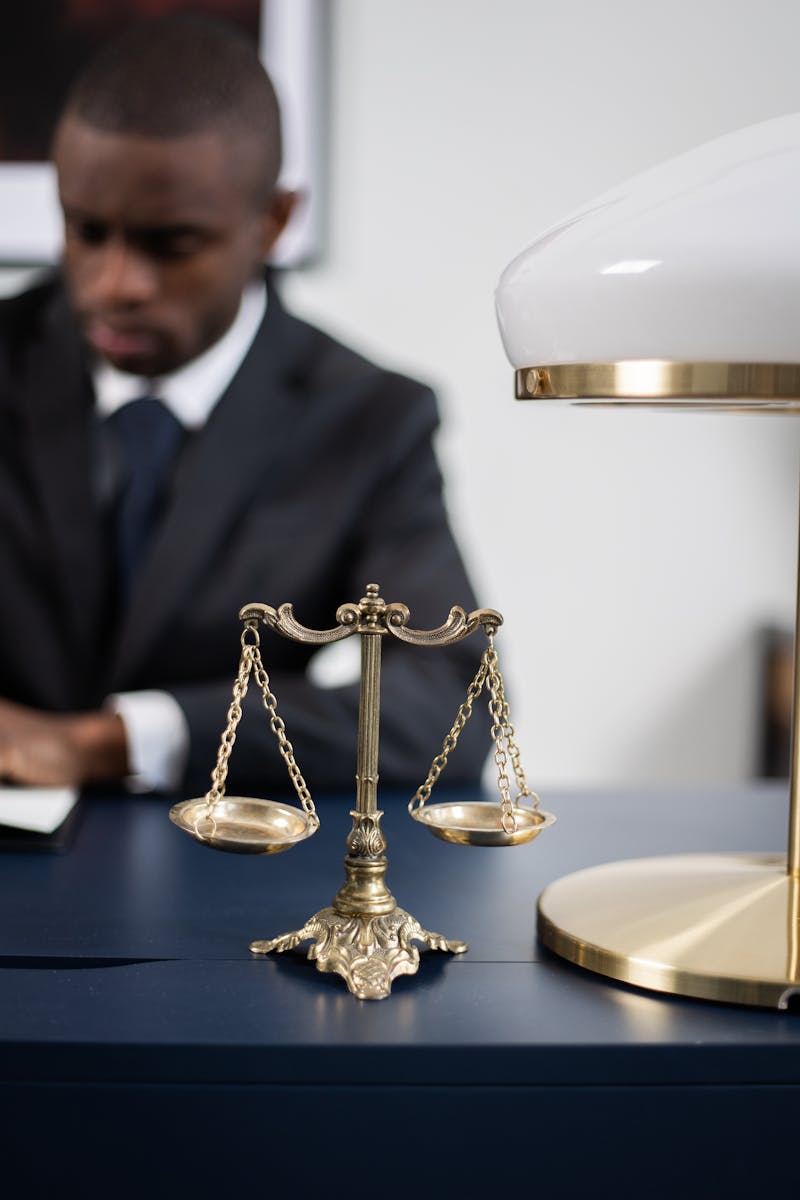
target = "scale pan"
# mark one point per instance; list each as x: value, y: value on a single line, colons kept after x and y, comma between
x: 481, y: 823
x: 243, y: 825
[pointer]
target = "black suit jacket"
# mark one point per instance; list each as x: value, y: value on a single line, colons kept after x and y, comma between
x: 314, y: 476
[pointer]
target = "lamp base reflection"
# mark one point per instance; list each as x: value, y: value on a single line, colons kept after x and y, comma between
x: 720, y: 927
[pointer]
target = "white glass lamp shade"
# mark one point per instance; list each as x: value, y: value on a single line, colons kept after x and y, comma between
x: 692, y: 263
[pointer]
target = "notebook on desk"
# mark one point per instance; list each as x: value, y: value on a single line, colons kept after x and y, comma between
x: 37, y: 818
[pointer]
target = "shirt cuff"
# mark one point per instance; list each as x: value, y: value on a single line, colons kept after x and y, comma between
x: 157, y: 733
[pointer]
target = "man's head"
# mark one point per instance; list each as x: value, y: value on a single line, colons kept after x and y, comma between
x: 167, y: 154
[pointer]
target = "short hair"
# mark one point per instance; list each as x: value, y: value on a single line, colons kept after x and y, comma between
x: 184, y: 74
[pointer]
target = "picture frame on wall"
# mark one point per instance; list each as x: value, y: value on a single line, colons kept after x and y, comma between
x: 47, y: 52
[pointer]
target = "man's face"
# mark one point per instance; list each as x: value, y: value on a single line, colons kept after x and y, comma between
x: 161, y: 236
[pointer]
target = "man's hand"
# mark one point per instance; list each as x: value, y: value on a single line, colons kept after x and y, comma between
x: 57, y: 749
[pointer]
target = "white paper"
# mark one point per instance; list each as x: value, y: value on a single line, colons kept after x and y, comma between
x: 39, y: 809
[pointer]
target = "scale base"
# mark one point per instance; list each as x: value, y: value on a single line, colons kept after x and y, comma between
x: 720, y: 927
x: 368, y: 952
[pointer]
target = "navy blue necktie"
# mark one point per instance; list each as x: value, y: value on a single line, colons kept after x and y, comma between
x: 148, y: 437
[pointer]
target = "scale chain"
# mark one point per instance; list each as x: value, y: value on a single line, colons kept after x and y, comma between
x: 496, y: 708
x: 284, y: 745
x: 502, y: 732
x: 251, y: 660
x: 439, y: 763
x: 513, y: 749
x: 220, y: 772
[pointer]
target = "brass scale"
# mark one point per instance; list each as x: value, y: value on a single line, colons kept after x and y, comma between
x: 364, y: 936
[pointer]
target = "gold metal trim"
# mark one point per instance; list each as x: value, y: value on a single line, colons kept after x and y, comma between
x: 740, y: 386
x: 720, y: 927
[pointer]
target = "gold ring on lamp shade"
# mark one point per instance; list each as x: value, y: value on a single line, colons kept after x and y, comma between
x: 750, y: 387
x: 679, y: 289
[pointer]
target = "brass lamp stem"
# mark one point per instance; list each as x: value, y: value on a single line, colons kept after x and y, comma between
x: 793, y: 859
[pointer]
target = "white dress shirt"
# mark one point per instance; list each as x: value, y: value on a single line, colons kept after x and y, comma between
x: 156, y: 729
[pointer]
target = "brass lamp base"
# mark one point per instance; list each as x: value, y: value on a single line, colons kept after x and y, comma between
x: 369, y: 952
x: 715, y: 926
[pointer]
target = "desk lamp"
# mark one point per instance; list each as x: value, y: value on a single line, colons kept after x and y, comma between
x: 679, y: 289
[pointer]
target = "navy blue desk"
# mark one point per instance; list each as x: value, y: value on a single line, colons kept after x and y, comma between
x: 142, y: 1048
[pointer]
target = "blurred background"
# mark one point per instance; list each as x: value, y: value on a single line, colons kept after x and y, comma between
x: 645, y: 562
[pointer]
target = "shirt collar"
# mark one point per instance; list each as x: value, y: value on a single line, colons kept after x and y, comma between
x: 191, y: 392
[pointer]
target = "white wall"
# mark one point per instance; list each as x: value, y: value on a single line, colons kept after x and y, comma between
x: 633, y: 555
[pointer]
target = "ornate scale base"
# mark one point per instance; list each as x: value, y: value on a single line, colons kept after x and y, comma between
x: 367, y: 951
x: 716, y: 926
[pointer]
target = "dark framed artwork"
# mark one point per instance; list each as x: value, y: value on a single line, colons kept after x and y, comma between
x: 46, y: 42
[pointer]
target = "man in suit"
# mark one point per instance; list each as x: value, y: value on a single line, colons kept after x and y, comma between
x: 297, y: 470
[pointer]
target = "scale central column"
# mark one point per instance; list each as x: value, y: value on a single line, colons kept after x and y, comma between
x: 365, y: 892
x: 368, y: 709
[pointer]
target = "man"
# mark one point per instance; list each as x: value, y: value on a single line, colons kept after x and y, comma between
x: 297, y: 471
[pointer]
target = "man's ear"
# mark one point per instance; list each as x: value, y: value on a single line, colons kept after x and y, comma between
x: 276, y: 218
